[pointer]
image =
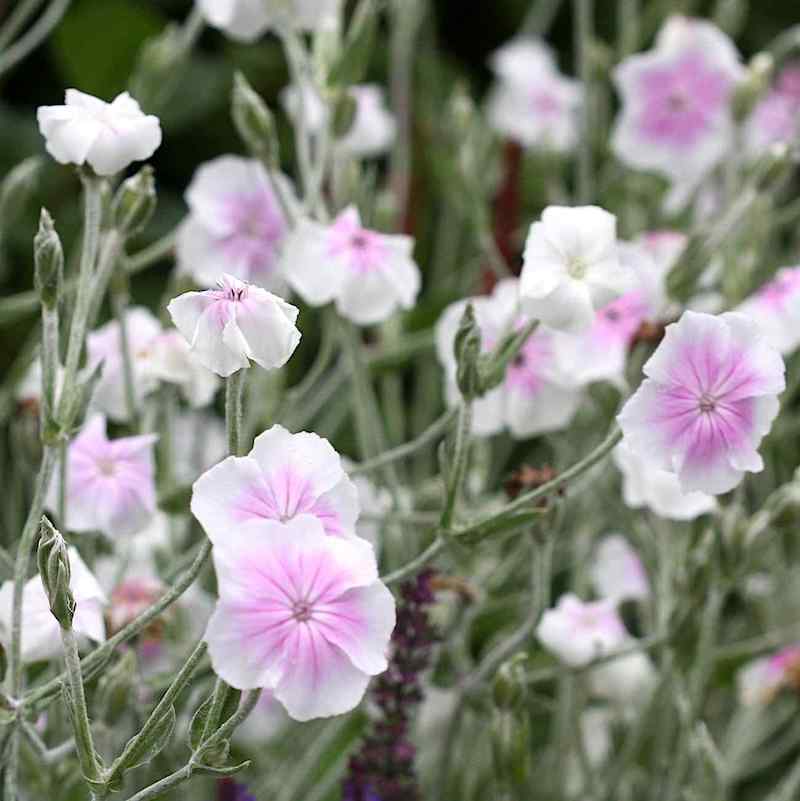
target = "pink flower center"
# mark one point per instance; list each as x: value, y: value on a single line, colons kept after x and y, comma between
x: 256, y: 229
x: 361, y: 249
x: 682, y: 101
x: 707, y: 403
x: 106, y: 467
x: 777, y: 292
x: 302, y: 611
x: 545, y: 103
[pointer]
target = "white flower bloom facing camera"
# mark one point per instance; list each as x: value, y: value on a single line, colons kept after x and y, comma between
x: 106, y: 136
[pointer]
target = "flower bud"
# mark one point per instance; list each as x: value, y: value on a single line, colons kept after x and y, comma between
x: 254, y: 122
x: 134, y: 203
x: 774, y: 165
x: 48, y: 258
x: 55, y: 573
x: 344, y: 113
x: 467, y: 347
x: 753, y: 86
x: 509, y: 685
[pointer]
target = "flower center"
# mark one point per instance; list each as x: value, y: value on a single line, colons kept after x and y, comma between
x: 707, y: 403
x: 577, y: 267
x: 359, y: 241
x: 302, y: 611
x: 106, y: 467
x: 677, y: 102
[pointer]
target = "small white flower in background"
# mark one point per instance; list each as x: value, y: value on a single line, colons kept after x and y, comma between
x: 107, y: 136
x: 29, y: 391
x: 537, y: 396
x: 625, y: 681
x: 775, y: 307
x: 248, y: 20
x: 617, y: 572
x: 759, y: 681
x: 373, y: 128
x: 263, y: 723
x: 571, y: 267
x: 532, y: 102
x: 644, y: 485
x: 369, y: 275
x: 374, y: 501
x: 110, y: 483
x: 156, y: 355
x: 578, y: 632
x: 236, y: 224
x: 284, y: 476
x: 676, y: 116
x: 229, y: 326
x: 40, y: 630
x: 103, y: 345
x: 710, y: 397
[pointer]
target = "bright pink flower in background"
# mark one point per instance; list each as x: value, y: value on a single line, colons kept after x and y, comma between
x: 532, y: 102
x: 110, y: 483
x: 578, y: 632
x: 107, y: 136
x: 40, y: 630
x: 571, y: 267
x: 775, y: 307
x: 369, y: 275
x: 285, y: 475
x: 646, y: 485
x: 236, y: 224
x: 301, y: 613
x: 709, y: 398
x: 617, y: 571
x: 235, y: 323
x: 537, y: 394
x: 760, y: 680
x: 676, y: 103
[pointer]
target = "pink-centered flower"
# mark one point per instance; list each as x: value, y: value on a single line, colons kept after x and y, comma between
x: 107, y: 136
x: 532, y: 102
x: 235, y: 323
x: 110, y: 483
x: 776, y: 118
x: 369, y: 275
x: 301, y: 613
x: 571, y: 267
x: 578, y: 632
x: 284, y: 476
x: 617, y: 572
x: 676, y: 115
x: 775, y: 307
x: 236, y: 223
x: 709, y: 398
x: 537, y: 396
x: 759, y: 681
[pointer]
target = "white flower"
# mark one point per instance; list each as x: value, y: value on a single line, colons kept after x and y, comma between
x: 571, y: 267
x: 578, y: 632
x: 236, y: 224
x: 532, y: 103
x: 369, y: 275
x: 229, y: 326
x: 775, y: 307
x: 173, y: 362
x: 40, y: 630
x: 373, y: 127
x: 199, y: 441
x: 107, y: 136
x: 626, y: 680
x: 247, y: 20
x: 595, y: 731
x: 643, y: 484
x: 617, y: 572
x: 537, y: 395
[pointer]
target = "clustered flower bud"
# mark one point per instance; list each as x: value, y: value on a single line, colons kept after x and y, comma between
x: 48, y: 258
x: 135, y: 202
x: 383, y: 770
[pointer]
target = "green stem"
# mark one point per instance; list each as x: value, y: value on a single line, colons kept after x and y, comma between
x: 49, y: 360
x: 234, y: 388
x: 582, y: 26
x: 77, y: 332
x: 458, y: 464
x: 17, y: 20
x: 34, y: 36
x: 79, y: 714
x: 120, y: 299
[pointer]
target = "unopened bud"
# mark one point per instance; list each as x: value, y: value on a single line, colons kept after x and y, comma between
x: 135, y: 202
x: 753, y: 85
x: 344, y: 114
x: 254, y: 122
x: 48, y: 258
x: 510, y: 683
x: 55, y: 573
x: 467, y: 349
